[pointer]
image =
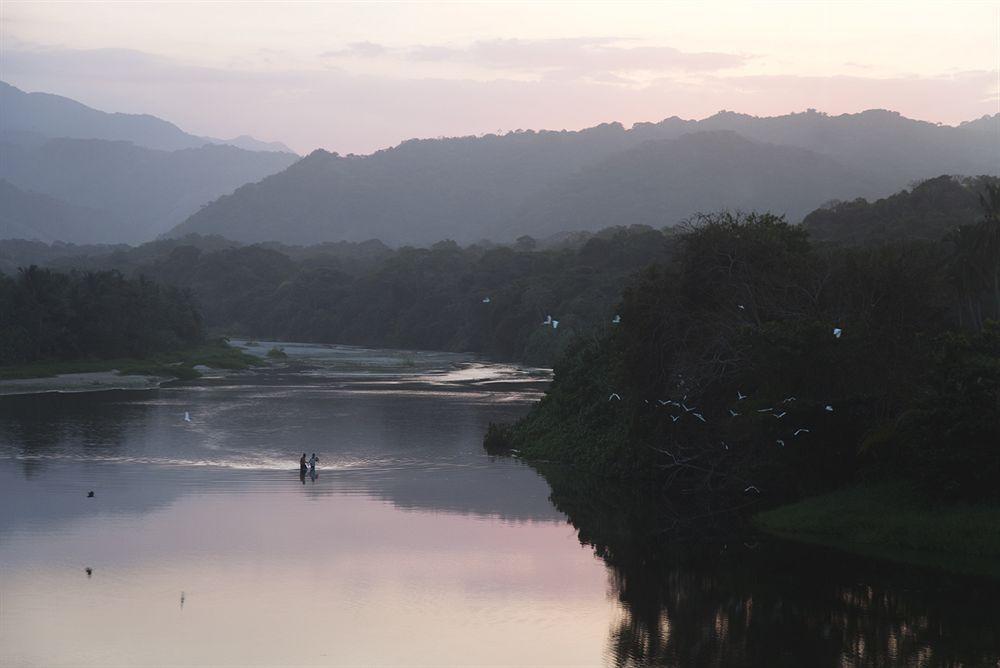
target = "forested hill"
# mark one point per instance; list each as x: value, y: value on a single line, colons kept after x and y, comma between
x: 928, y: 211
x: 474, y: 188
x: 668, y: 180
x: 757, y: 362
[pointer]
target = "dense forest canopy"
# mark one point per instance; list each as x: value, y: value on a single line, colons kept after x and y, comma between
x: 757, y: 360
x: 47, y: 315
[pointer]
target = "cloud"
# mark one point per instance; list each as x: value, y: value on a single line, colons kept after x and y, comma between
x: 581, y: 56
x: 344, y: 110
x: 358, y: 50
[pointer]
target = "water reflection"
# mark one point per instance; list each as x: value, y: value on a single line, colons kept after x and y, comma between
x: 709, y: 593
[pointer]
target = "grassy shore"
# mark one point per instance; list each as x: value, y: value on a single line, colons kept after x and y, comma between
x: 178, y: 364
x: 890, y: 520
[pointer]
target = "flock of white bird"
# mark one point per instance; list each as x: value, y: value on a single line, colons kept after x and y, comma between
x: 614, y: 396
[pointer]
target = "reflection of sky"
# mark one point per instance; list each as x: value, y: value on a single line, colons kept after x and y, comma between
x: 411, y: 547
x: 293, y: 578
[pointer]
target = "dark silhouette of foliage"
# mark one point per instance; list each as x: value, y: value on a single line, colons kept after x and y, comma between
x: 48, y: 315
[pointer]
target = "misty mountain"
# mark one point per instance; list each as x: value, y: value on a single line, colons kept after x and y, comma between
x: 665, y: 181
x: 149, y: 189
x: 29, y: 215
x: 57, y: 116
x: 539, y: 183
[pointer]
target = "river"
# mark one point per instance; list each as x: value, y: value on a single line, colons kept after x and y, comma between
x: 203, y: 545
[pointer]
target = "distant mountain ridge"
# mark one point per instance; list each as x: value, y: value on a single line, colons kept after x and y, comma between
x: 30, y: 215
x: 540, y: 183
x: 113, y: 177
x: 142, y: 192
x: 57, y: 116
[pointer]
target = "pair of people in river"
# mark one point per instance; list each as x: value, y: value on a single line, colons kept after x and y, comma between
x: 311, y: 463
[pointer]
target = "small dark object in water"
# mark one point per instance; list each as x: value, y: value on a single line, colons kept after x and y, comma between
x: 89, y: 571
x: 90, y: 495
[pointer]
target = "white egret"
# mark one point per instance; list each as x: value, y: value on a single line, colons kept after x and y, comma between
x: 764, y: 410
x: 486, y: 300
x: 555, y: 324
x: 617, y: 319
x: 780, y: 442
x: 187, y: 416
x: 828, y: 408
x: 788, y: 400
x: 751, y: 488
x: 800, y: 431
x: 740, y: 396
x: 780, y: 415
x: 548, y: 320
x: 675, y: 418
x: 733, y: 413
x: 699, y: 416
x: 837, y: 331
x: 614, y: 395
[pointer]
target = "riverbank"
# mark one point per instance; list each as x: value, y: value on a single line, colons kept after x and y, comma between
x: 889, y: 520
x: 126, y: 373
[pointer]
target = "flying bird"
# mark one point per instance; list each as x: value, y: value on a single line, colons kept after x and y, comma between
x: 837, y: 331
x: 89, y: 571
x: 555, y: 324
x: 617, y: 319
x: 788, y: 400
x: 764, y: 410
x: 486, y: 300
x: 780, y: 415
x: 800, y: 431
x: 548, y: 320
x: 90, y: 495
x: 751, y: 488
x: 614, y: 395
x: 780, y: 442
x: 724, y: 445
x: 740, y: 396
x: 187, y: 416
x: 686, y: 409
x: 733, y: 413
x: 699, y: 416
x: 675, y: 418
x: 741, y: 307
x: 828, y: 408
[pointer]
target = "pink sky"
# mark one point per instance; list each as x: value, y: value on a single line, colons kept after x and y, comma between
x: 355, y: 77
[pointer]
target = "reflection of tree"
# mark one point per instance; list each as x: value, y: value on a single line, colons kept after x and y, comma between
x: 698, y: 593
x: 41, y: 425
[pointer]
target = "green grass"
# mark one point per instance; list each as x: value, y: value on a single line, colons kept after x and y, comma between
x: 178, y: 364
x: 891, y: 521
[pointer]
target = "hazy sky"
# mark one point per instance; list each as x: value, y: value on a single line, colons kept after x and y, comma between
x: 365, y: 75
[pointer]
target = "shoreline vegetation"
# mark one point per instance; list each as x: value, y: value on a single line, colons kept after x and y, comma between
x: 890, y: 521
x: 852, y: 390
x: 175, y: 365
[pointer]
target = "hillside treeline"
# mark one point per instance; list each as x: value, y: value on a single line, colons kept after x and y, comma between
x: 425, y: 298
x: 369, y: 294
x: 756, y: 361
x: 47, y: 315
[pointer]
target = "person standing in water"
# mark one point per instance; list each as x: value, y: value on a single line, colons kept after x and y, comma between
x: 312, y: 463
x: 302, y: 463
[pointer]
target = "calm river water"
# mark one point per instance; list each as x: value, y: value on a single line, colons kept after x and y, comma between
x: 203, y: 545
